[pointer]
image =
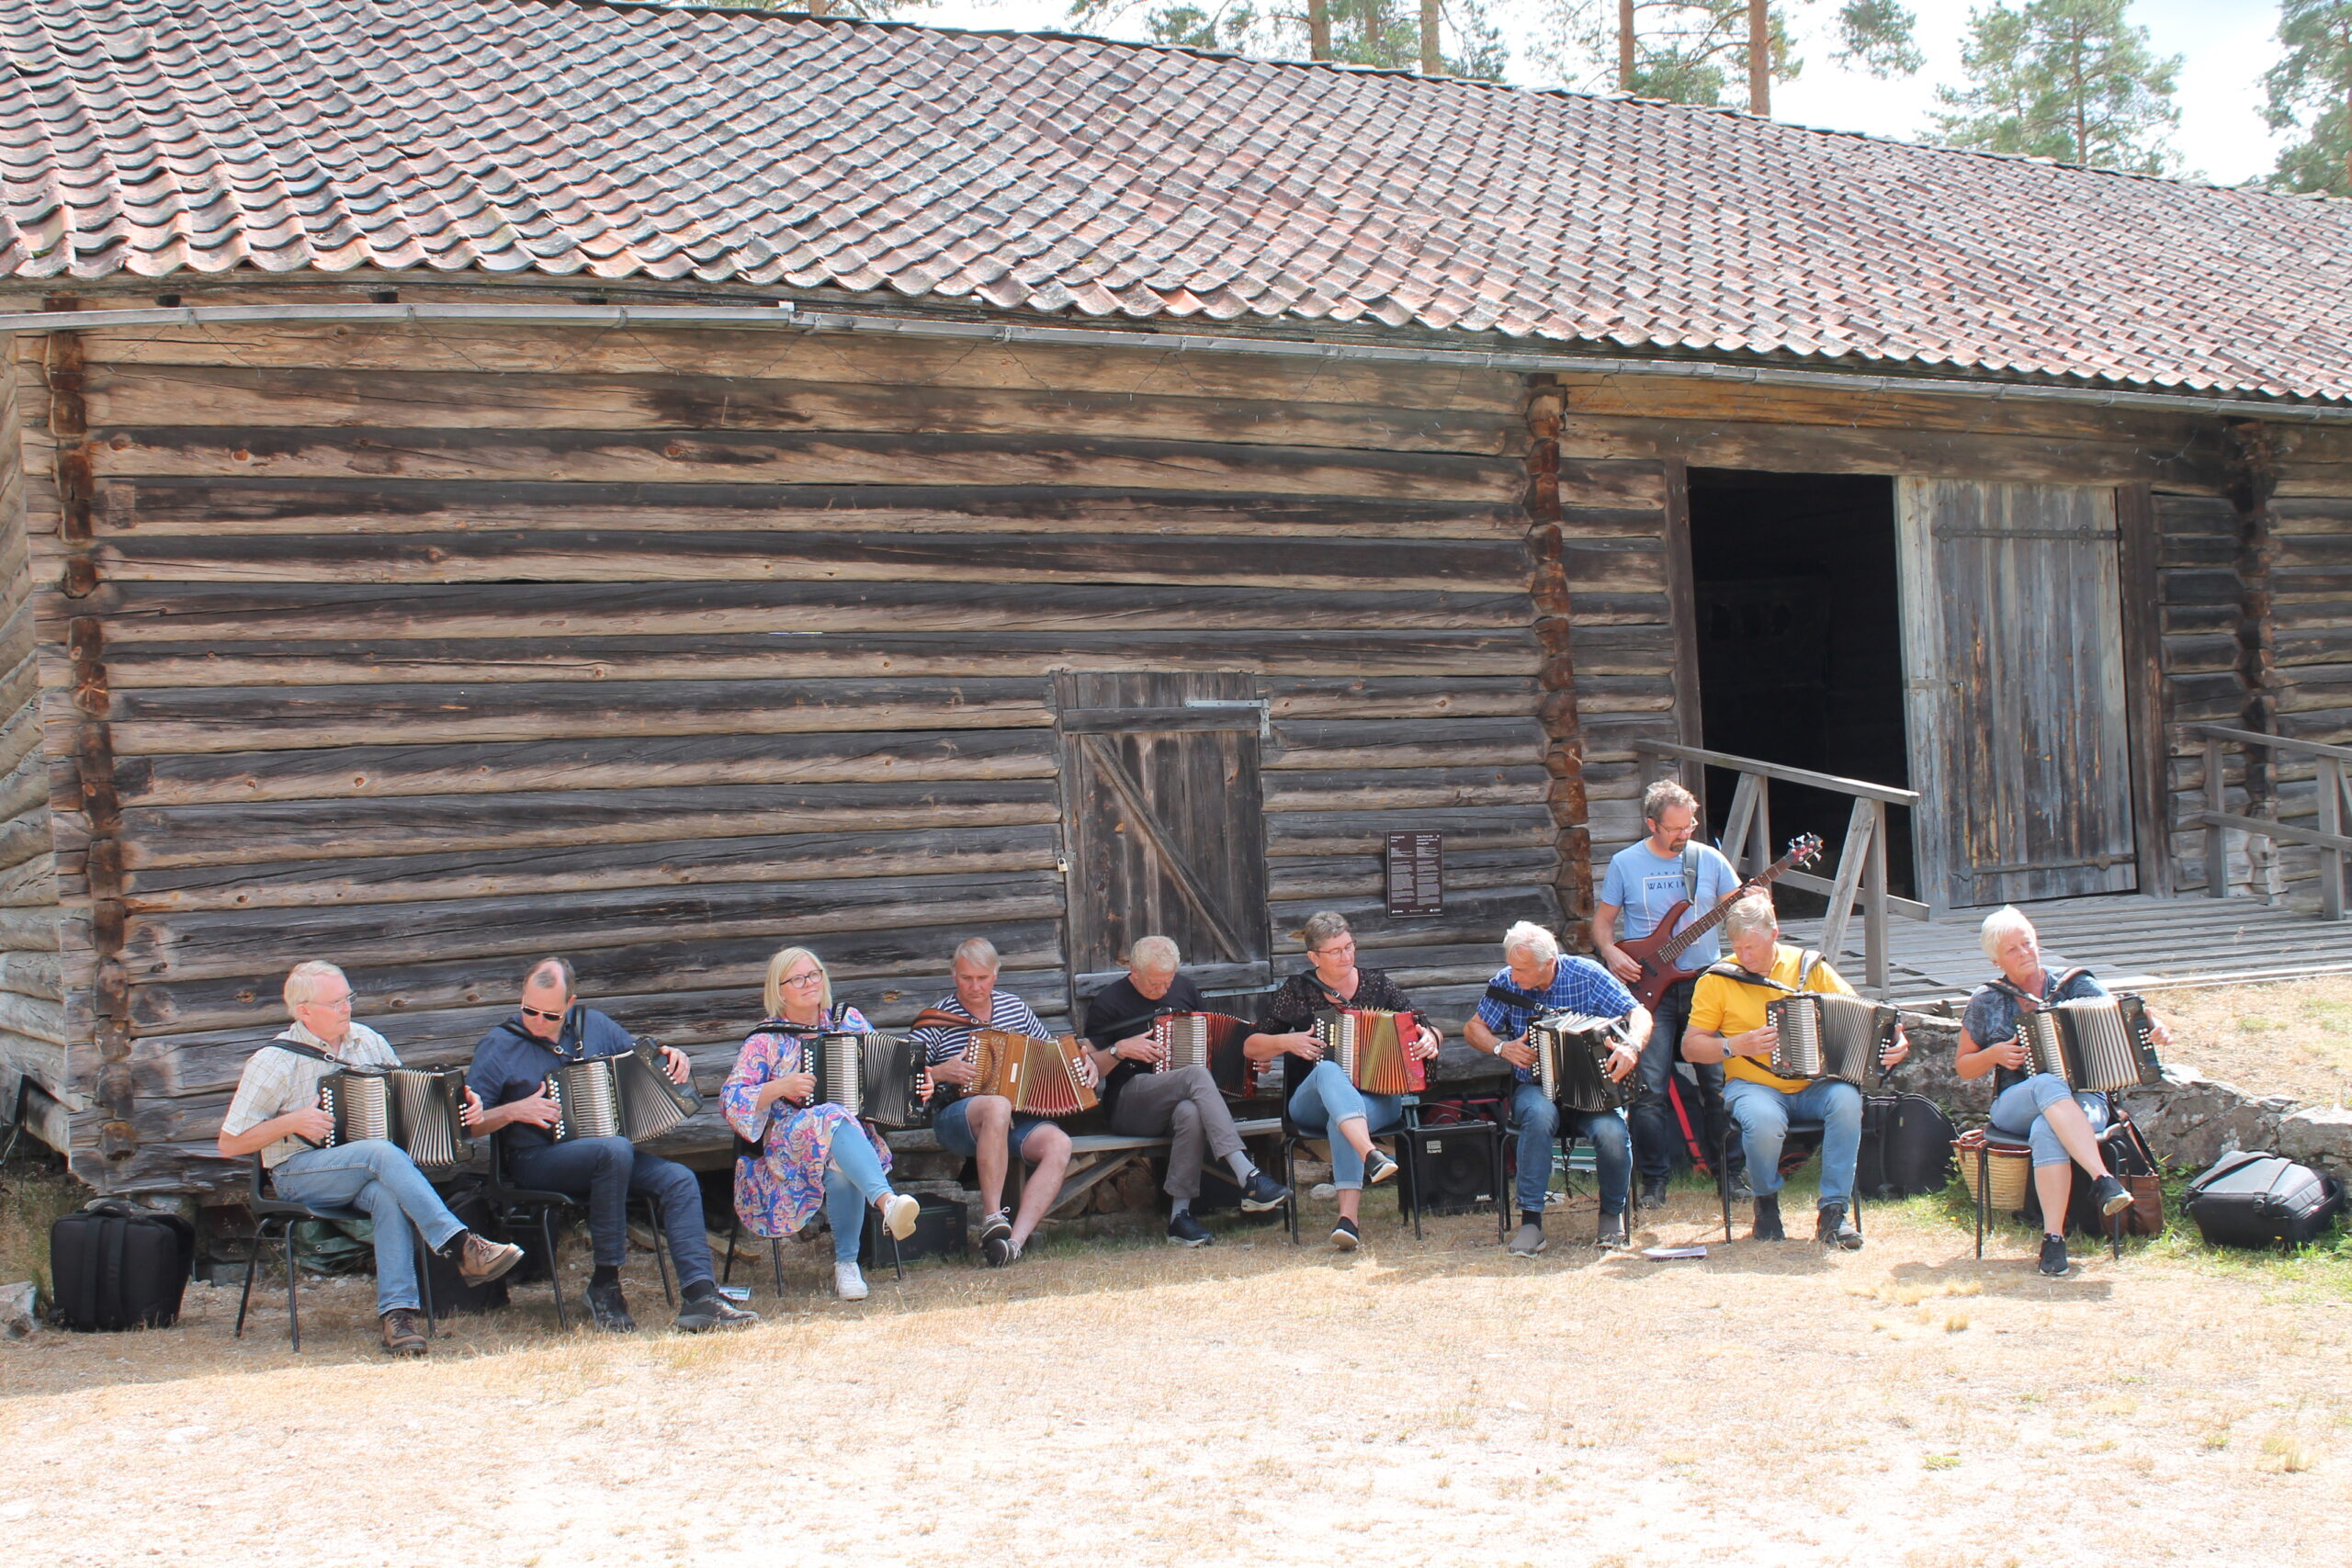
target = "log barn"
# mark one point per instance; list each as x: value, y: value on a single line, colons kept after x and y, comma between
x: 486, y: 478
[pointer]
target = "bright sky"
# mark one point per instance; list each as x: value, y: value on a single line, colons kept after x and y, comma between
x: 2227, y: 45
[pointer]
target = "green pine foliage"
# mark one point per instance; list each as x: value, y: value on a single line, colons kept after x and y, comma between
x: 2064, y: 79
x: 1385, y: 33
x: 1695, y: 52
x: 2310, y: 90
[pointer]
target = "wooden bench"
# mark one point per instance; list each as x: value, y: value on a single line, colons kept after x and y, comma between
x: 1095, y: 1157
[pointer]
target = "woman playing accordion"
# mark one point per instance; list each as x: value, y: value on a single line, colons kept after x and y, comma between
x: 810, y: 1156
x: 1320, y: 1098
x: 2060, y: 1123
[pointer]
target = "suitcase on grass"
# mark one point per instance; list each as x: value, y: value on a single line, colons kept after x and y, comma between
x: 1906, y: 1148
x: 2252, y: 1198
x: 112, y: 1266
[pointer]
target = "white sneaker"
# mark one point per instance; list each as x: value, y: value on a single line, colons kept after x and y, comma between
x: 849, y: 1283
x: 898, y: 1215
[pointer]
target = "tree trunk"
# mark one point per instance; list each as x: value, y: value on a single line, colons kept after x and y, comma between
x: 1759, y: 57
x: 1371, y: 19
x: 1319, y: 29
x: 1624, y: 46
x: 1432, y: 61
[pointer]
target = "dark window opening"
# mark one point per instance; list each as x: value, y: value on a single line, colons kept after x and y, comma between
x: 1800, y: 646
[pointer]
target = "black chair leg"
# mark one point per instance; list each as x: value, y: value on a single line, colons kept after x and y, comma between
x: 726, y: 1270
x: 1983, y: 1198
x: 1290, y: 1180
x: 555, y: 1269
x: 1723, y: 1182
x: 661, y: 1249
x: 1408, y: 1197
x: 897, y: 1262
x: 253, y: 1262
x: 776, y: 1264
x: 293, y: 1303
x: 1502, y: 1192
x: 424, y: 1285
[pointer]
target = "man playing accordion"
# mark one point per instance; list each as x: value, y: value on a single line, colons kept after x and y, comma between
x: 1728, y: 1024
x: 2061, y: 1123
x: 1538, y: 979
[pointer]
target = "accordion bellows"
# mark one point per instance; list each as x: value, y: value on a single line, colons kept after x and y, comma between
x: 1041, y: 1078
x: 877, y: 1076
x: 1572, y: 1053
x: 1374, y: 1049
x: 623, y: 1096
x: 1827, y: 1034
x: 415, y: 1110
x: 1211, y: 1039
x: 2100, y: 1043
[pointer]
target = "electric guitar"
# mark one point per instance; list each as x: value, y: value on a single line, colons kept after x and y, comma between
x: 1659, y: 953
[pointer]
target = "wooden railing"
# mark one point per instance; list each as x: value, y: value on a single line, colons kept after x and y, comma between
x: 2328, y: 837
x: 1861, y: 862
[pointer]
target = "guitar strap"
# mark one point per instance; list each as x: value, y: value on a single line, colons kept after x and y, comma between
x: 1691, y: 873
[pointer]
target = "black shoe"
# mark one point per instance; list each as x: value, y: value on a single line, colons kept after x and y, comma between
x: 1263, y: 1193
x: 1377, y: 1169
x: 1344, y: 1236
x: 610, y: 1309
x: 996, y: 1240
x: 1613, y: 1232
x: 1185, y: 1231
x: 1654, y: 1192
x: 2054, y: 1256
x: 1740, y: 1190
x: 1768, y: 1219
x: 2110, y: 1195
x: 1835, y: 1227
x: 700, y: 1314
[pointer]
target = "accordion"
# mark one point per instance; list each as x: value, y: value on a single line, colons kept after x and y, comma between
x: 1572, y: 1061
x: 417, y: 1111
x: 1041, y: 1078
x: 1827, y: 1034
x: 877, y: 1076
x: 2101, y: 1043
x: 1211, y: 1039
x: 628, y: 1095
x: 1373, y: 1049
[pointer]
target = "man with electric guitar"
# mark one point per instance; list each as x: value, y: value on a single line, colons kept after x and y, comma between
x: 1672, y: 890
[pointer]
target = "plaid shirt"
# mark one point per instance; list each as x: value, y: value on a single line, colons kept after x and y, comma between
x: 276, y: 1082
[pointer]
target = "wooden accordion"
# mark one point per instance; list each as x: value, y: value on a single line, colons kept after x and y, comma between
x: 1211, y: 1039
x: 417, y: 1111
x: 1827, y: 1034
x: 877, y: 1076
x: 1374, y: 1049
x: 2100, y: 1044
x: 1041, y: 1078
x: 1572, y: 1061
x: 628, y: 1095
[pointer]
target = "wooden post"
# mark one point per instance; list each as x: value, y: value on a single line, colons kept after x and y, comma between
x: 1875, y: 902
x: 1760, y: 847
x: 1737, y: 835
x: 1624, y: 46
x: 2217, y: 842
x: 2330, y: 821
x: 1848, y: 882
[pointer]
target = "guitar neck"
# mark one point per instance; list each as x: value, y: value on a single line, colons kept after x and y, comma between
x: 1680, y: 945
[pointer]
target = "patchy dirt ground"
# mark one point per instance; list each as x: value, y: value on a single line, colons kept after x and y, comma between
x: 1419, y: 1403
x: 2287, y: 1039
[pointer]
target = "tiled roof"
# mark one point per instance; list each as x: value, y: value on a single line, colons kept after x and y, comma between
x: 1039, y: 173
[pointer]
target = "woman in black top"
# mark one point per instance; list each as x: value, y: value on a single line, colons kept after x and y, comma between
x: 1322, y: 1100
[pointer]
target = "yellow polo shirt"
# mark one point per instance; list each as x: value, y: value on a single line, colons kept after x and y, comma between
x: 1719, y: 1005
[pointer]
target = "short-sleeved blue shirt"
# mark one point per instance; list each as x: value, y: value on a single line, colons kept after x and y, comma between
x: 1992, y: 1016
x: 1646, y: 885
x: 1578, y: 985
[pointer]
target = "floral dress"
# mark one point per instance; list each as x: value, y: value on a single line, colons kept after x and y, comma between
x: 781, y: 1188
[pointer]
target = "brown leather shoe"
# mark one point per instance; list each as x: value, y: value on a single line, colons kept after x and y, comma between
x: 401, y: 1335
x: 480, y: 1259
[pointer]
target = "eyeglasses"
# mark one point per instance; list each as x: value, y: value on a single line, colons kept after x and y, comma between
x: 1345, y: 944
x: 811, y: 977
x: 344, y: 1000
x: 555, y: 1017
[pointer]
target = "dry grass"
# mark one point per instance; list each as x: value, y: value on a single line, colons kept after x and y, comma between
x: 1432, y: 1402
x: 34, y: 1190
x: 2294, y: 1038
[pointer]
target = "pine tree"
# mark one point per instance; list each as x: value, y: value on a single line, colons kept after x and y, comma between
x: 1694, y: 52
x: 2064, y: 79
x: 2313, y: 78
x: 1389, y: 33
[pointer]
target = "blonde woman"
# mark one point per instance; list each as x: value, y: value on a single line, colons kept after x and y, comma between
x: 811, y: 1156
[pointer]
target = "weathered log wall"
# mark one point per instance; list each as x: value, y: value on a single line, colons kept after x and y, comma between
x: 33, y: 1032
x: 432, y: 650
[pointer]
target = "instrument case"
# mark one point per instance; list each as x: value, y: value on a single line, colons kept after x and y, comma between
x: 940, y: 1232
x: 1906, y: 1148
x: 2251, y: 1198
x: 112, y: 1266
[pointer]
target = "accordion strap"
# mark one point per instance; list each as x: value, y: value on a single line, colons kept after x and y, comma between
x: 1510, y: 997
x: 301, y: 1050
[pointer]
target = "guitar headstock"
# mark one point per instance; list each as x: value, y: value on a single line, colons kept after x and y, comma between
x: 1803, y: 850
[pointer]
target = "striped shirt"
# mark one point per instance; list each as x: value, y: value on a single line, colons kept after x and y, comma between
x: 1006, y: 1012
x: 275, y: 1082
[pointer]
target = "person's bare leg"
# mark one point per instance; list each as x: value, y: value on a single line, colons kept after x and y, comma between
x: 2055, y: 1184
x: 1047, y: 1151
x: 1350, y: 1202
x: 1358, y: 1133
x: 2075, y: 1135
x: 990, y: 1120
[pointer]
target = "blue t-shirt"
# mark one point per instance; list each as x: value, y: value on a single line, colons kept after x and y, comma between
x: 1992, y: 1017
x: 1578, y: 985
x: 1646, y: 885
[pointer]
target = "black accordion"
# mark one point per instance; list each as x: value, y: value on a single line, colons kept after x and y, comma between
x: 2100, y: 1044
x: 1572, y: 1060
x: 1827, y: 1034
x: 628, y: 1095
x: 418, y: 1112
x: 876, y: 1077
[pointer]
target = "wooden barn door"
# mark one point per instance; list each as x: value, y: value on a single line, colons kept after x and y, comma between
x: 1164, y: 823
x: 2013, y: 654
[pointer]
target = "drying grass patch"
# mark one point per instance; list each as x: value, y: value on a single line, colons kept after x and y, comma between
x: 2284, y: 1453
x: 2291, y: 1037
x: 33, y: 1192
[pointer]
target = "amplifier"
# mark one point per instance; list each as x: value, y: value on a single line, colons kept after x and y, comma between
x: 939, y: 1232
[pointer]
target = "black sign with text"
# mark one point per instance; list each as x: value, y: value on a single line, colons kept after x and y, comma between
x: 1416, y: 873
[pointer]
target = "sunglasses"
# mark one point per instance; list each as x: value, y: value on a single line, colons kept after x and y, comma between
x: 555, y: 1017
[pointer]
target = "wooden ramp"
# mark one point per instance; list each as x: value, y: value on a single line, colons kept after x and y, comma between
x: 2145, y: 943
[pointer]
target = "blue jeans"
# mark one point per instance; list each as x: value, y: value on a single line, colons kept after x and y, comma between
x: 1325, y: 1099
x: 375, y: 1177
x: 1539, y: 1120
x: 854, y: 1184
x: 2017, y: 1112
x: 608, y: 1172
x: 1764, y: 1113
x: 952, y: 1128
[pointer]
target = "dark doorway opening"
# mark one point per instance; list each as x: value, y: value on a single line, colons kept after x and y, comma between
x: 1801, y: 645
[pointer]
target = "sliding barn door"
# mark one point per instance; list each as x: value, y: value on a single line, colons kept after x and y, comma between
x: 1163, y: 822
x: 2013, y: 654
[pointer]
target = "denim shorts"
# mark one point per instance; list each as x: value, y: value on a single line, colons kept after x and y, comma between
x: 953, y: 1127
